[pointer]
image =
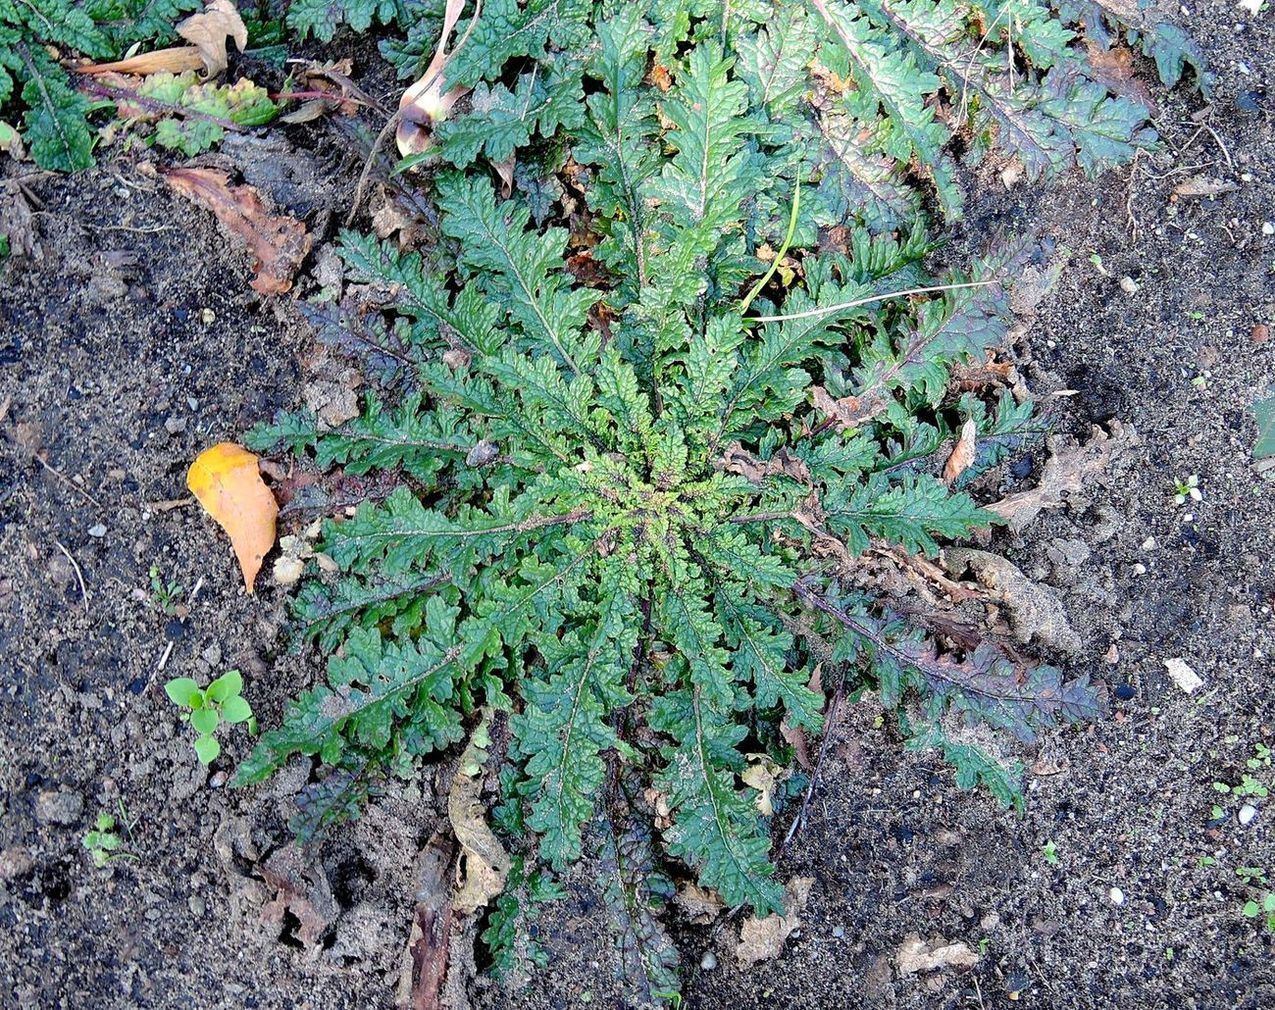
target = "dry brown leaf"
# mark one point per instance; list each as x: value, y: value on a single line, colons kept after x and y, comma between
x: 424, y: 103
x: 175, y: 60
x: 17, y: 221
x: 278, y: 243
x: 849, y: 411
x: 228, y: 485
x: 1115, y: 68
x: 962, y: 453
x: 737, y: 459
x: 209, y: 30
x: 505, y: 169
x: 301, y: 890
x: 486, y: 863
x: 1068, y: 468
x: 1202, y: 187
x: 424, y: 964
x: 915, y: 954
x: 1035, y: 611
x: 763, y: 939
x: 700, y: 905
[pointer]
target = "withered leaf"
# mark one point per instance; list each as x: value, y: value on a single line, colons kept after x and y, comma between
x: 763, y: 939
x: 962, y: 453
x: 175, y: 60
x: 209, y: 30
x: 486, y: 864
x: 736, y: 459
x: 302, y: 890
x: 1068, y: 468
x: 915, y: 954
x: 1035, y: 611
x: 278, y: 243
x: 849, y: 411
x: 1202, y: 187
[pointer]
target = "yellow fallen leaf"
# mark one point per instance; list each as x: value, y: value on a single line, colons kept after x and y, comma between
x: 228, y: 485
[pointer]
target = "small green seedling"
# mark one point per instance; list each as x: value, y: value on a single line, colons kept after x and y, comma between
x: 1189, y: 488
x: 1266, y: 907
x: 1250, y: 786
x: 1261, y: 758
x: 222, y: 701
x: 164, y: 596
x: 102, y: 842
x: 1050, y: 852
x: 1251, y: 874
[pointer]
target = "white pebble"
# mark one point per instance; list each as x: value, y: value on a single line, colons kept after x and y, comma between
x: 1268, y: 228
x: 709, y: 961
x: 1117, y: 896
x: 98, y: 531
x: 1247, y: 813
x: 1128, y: 285
x: 1139, y: 569
x: 1149, y: 544
x: 1180, y: 673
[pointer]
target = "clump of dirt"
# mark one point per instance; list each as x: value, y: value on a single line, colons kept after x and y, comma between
x: 131, y: 340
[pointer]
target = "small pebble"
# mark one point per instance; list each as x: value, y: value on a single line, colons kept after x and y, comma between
x: 838, y: 932
x: 1247, y: 813
x: 1124, y: 692
x: 1128, y: 285
x: 1248, y: 101
x: 197, y: 905
x: 98, y: 531
x: 15, y: 861
x: 175, y: 425
x: 217, y: 781
x: 1139, y: 569
x: 1117, y: 896
x: 207, y: 316
x: 58, y: 806
x: 1148, y: 544
x: 709, y: 961
x: 192, y: 403
x: 1268, y: 228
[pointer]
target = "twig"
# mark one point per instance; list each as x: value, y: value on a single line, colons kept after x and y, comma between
x: 65, y: 479
x: 1225, y: 152
x: 199, y: 584
x: 390, y: 125
x: 132, y: 231
x: 830, y: 309
x: 828, y: 723
x: 79, y: 575
x: 163, y: 660
x: 1130, y: 217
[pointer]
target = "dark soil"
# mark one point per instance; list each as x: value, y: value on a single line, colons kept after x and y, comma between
x: 133, y: 341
